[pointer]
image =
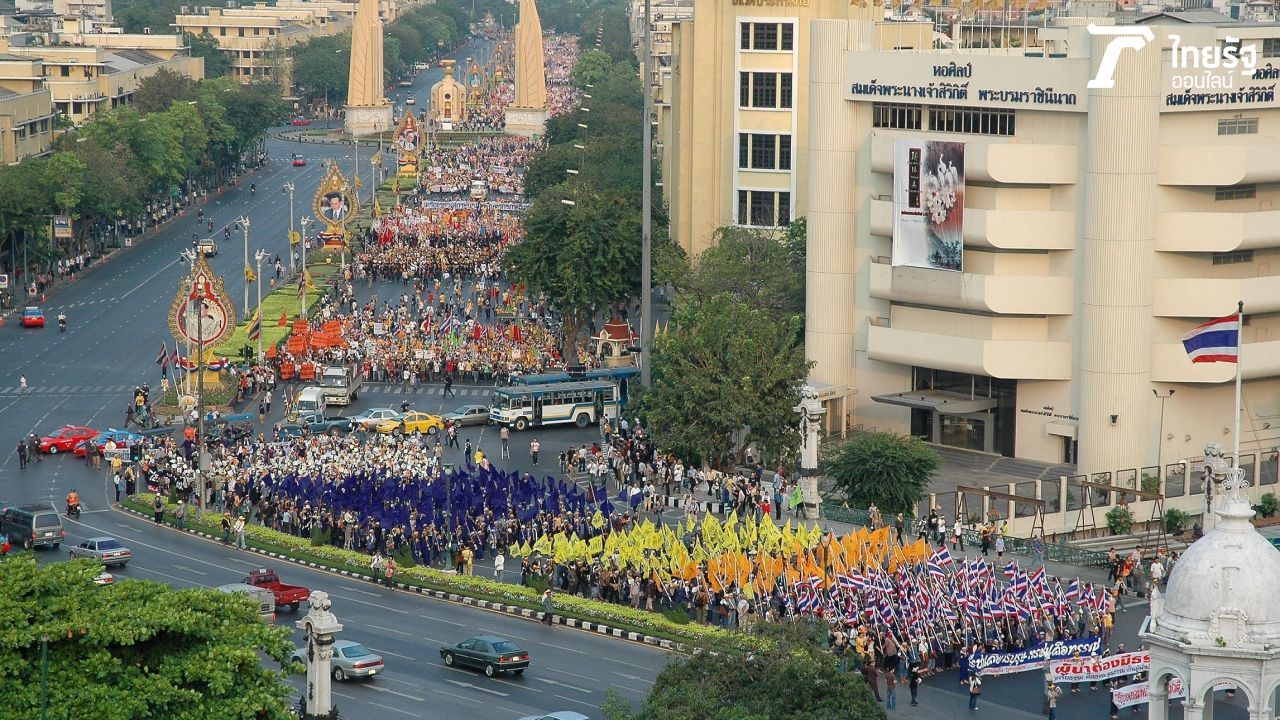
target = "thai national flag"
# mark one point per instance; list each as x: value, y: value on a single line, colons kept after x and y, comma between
x: 1073, y: 591
x: 942, y: 557
x: 1011, y: 569
x: 1037, y: 577
x: 1215, y: 341
x: 163, y: 358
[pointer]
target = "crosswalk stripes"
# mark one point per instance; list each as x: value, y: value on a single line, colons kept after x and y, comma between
x: 67, y: 390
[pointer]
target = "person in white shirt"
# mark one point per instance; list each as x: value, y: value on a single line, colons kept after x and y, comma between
x: 499, y: 564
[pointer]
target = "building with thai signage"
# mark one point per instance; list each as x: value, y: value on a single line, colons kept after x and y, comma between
x: 1006, y: 246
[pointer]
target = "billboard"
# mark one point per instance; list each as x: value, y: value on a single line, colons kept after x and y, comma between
x: 928, y: 204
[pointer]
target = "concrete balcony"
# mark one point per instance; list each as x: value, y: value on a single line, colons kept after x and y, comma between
x: 1217, y: 231
x: 1000, y: 294
x: 1191, y: 297
x: 999, y: 229
x: 1006, y: 359
x: 1218, y: 165
x: 1169, y: 363
x: 1002, y: 162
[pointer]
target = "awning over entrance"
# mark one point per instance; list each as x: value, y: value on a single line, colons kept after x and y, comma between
x: 944, y: 402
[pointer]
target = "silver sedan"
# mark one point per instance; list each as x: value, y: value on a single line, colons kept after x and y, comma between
x: 350, y: 660
x: 468, y: 415
x: 106, y: 550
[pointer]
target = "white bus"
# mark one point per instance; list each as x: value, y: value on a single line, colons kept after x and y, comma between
x: 580, y: 403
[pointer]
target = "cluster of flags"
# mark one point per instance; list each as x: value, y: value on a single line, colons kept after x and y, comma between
x: 164, y: 359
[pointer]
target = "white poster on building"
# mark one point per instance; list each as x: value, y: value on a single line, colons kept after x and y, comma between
x: 928, y: 204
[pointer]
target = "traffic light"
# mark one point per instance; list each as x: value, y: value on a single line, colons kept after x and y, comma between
x: 135, y: 452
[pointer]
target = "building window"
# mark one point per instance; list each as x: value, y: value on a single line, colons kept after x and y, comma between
x: 971, y: 122
x: 1233, y: 258
x: 1235, y: 192
x: 898, y: 116
x: 769, y: 90
x: 764, y: 208
x: 764, y: 151
x: 1238, y: 126
x: 1271, y: 47
x: 766, y: 36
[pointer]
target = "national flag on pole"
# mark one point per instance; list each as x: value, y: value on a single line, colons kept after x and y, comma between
x: 302, y: 285
x: 255, y: 326
x: 1073, y: 591
x: 163, y: 358
x: 175, y: 357
x: 1215, y: 341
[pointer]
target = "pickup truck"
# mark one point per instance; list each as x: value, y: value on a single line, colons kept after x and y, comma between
x: 341, y: 384
x: 287, y: 596
x: 318, y: 424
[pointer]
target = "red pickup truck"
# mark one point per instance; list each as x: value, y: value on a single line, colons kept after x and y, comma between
x: 287, y: 596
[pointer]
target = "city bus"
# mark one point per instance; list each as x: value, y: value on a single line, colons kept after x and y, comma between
x: 622, y: 375
x: 581, y: 403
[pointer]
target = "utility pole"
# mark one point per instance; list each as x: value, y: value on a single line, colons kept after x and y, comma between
x: 260, y: 256
x: 302, y: 277
x: 244, y: 226
x: 646, y: 226
x: 288, y: 188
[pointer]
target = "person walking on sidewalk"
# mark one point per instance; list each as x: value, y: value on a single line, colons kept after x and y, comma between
x: 505, y: 434
x: 238, y: 528
x: 534, y: 447
x: 975, y: 690
x: 913, y: 682
x: 179, y: 512
x: 389, y: 571
x: 891, y: 692
x: 546, y: 606
x: 1051, y: 699
x: 22, y: 453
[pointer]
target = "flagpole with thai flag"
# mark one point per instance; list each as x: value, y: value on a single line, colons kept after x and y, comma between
x: 1219, y: 341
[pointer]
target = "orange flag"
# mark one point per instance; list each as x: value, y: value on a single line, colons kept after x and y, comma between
x: 284, y: 320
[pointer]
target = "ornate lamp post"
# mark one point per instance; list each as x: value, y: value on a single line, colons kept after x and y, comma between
x: 320, y: 626
x: 811, y: 412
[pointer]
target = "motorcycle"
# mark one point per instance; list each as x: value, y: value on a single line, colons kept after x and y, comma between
x: 62, y: 323
x: 253, y: 189
x: 73, y: 510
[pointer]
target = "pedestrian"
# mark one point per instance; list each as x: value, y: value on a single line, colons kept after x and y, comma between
x: 377, y: 566
x: 975, y: 689
x: 238, y: 528
x: 891, y: 691
x: 872, y: 676
x: 534, y: 447
x: 158, y: 508
x: 179, y: 512
x: 389, y: 571
x: 546, y: 606
x: 22, y: 454
x: 448, y: 386
x: 957, y: 536
x: 262, y: 411
x: 225, y: 524
x: 118, y: 481
x: 999, y: 547
x: 129, y: 410
x: 1037, y: 550
x: 266, y: 401
x: 33, y: 448
x: 1051, y: 699
x: 900, y: 529
x: 22, y: 383
x: 499, y: 564
x: 913, y: 682
x: 505, y: 434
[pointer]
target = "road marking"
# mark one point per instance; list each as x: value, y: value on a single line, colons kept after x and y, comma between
x: 495, y: 632
x: 340, y: 694
x: 388, y: 652
x: 397, y: 693
x: 447, y: 622
x: 190, y: 570
x: 129, y: 528
x: 398, y: 632
x: 363, y: 592
x: 593, y: 707
x: 460, y: 683
x: 392, y: 709
x: 580, y: 677
x: 564, y: 685
x: 623, y: 662
x: 370, y: 604
x: 631, y: 677
x: 460, y: 697
x: 566, y: 649
x: 154, y: 275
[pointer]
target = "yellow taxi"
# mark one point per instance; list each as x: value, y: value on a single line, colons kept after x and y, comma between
x: 412, y: 422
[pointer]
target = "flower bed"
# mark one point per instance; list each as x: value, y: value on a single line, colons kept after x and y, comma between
x: 692, y: 635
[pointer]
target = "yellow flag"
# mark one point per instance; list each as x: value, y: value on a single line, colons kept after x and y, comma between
x: 597, y: 520
x: 543, y: 545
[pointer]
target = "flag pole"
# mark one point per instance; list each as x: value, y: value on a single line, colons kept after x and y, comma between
x: 1239, y: 361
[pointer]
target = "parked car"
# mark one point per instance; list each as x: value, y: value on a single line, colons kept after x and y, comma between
x: 65, y: 439
x: 369, y: 419
x: 106, y: 550
x: 287, y: 596
x: 413, y: 421
x: 350, y: 660
x: 32, y: 317
x: 468, y: 415
x: 492, y: 654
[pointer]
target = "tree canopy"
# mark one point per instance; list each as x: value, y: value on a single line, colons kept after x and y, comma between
x: 795, y: 678
x: 725, y: 376
x: 753, y: 267
x: 884, y: 468
x: 136, y: 649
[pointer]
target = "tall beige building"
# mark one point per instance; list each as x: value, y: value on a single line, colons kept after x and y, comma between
x: 732, y: 118
x: 1091, y: 227
x: 253, y: 37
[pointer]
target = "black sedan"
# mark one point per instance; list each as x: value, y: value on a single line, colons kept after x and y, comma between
x: 492, y: 654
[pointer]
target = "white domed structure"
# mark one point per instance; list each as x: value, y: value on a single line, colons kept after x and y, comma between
x: 1218, y: 624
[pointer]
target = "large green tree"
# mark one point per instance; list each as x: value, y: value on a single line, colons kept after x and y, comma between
x: 794, y: 678
x: 725, y: 376
x: 884, y: 468
x: 754, y: 267
x: 137, y: 649
x: 320, y: 68
x: 216, y: 63
x: 157, y: 92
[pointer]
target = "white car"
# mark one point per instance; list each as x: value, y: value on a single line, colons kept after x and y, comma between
x: 350, y: 660
x: 370, y: 418
x: 558, y: 715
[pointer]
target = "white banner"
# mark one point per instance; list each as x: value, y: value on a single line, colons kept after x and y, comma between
x: 1136, y: 694
x: 1095, y: 669
x: 928, y: 204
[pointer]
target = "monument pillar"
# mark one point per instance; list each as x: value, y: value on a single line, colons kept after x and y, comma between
x: 527, y: 115
x: 367, y: 110
x: 811, y: 413
x: 320, y: 626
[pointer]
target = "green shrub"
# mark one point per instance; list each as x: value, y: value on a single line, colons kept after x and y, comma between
x: 1175, y: 518
x: 677, y: 616
x: 1119, y: 520
x: 320, y: 537
x: 1268, y: 505
x: 404, y: 557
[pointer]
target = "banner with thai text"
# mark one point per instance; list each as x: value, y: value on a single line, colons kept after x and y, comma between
x: 1136, y: 694
x: 1032, y: 658
x: 1088, y: 669
x: 928, y: 204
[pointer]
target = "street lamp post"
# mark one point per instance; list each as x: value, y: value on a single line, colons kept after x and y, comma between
x: 1160, y: 437
x: 302, y: 242
x: 646, y: 223
x: 288, y: 188
x: 259, y: 257
x: 244, y: 227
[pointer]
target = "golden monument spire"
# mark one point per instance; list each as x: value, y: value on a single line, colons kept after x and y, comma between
x: 528, y: 114
x: 367, y: 110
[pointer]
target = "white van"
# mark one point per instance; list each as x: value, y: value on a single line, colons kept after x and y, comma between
x: 311, y: 400
x: 265, y: 599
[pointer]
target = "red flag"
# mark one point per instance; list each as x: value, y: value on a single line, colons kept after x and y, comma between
x: 475, y: 335
x: 284, y: 319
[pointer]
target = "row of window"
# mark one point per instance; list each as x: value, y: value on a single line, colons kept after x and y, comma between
x: 1238, y: 126
x: 767, y: 36
x: 222, y: 31
x: 764, y: 151
x: 764, y: 208
x: 764, y: 90
x: 944, y: 118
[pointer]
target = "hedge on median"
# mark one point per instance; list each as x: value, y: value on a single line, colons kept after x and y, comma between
x: 480, y: 588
